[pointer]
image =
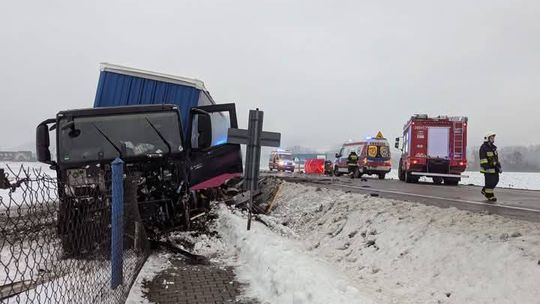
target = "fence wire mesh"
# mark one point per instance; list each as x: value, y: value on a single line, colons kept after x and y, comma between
x: 55, y: 238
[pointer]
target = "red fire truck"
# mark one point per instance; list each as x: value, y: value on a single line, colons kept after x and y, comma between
x: 435, y: 147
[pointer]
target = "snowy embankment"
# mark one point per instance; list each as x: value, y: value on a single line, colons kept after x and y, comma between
x: 276, y: 269
x: 411, y: 253
x: 324, y: 246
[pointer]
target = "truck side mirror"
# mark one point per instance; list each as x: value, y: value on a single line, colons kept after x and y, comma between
x: 42, y: 144
x: 338, y: 155
x: 204, y: 128
x: 397, y: 143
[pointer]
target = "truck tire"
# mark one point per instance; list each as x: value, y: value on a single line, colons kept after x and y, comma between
x: 382, y: 175
x: 451, y: 181
x: 437, y: 180
x: 411, y: 179
x: 401, y: 173
x: 336, y: 171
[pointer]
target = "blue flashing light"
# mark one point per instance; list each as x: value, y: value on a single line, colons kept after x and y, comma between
x: 220, y: 141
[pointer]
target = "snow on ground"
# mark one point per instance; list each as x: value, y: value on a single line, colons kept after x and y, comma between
x: 276, y: 269
x: 14, y: 168
x: 411, y: 253
x: 516, y: 180
x: 325, y: 246
x: 155, y: 263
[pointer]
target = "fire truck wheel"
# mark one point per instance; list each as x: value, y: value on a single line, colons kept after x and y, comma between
x: 409, y: 178
x: 382, y: 176
x: 437, y: 180
x: 401, y: 173
x: 336, y: 171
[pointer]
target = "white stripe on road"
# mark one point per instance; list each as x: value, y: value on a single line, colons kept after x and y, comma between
x: 439, y: 198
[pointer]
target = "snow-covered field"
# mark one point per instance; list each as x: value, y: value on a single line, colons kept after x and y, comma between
x: 516, y: 180
x: 324, y: 246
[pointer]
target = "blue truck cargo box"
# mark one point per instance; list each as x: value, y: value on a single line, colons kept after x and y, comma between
x: 121, y: 86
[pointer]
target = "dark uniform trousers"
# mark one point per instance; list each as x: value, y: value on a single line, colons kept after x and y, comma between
x: 490, y: 166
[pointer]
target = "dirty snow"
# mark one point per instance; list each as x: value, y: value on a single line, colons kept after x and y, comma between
x: 411, y: 253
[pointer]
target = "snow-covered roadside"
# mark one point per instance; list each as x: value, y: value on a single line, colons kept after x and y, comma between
x: 273, y: 268
x: 411, y: 253
x: 278, y: 270
x: 512, y: 180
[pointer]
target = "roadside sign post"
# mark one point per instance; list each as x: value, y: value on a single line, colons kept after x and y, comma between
x: 254, y: 137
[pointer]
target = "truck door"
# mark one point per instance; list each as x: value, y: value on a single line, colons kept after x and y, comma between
x: 213, y: 162
x: 342, y: 161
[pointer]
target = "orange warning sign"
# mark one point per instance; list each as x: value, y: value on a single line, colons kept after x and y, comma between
x: 380, y: 135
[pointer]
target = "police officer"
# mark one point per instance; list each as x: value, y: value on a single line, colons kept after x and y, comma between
x: 490, y: 166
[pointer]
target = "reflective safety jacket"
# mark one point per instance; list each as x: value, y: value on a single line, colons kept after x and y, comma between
x: 489, y: 159
x: 353, y: 158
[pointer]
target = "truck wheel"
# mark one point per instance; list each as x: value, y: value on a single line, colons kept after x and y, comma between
x: 336, y: 171
x: 437, y: 180
x: 382, y: 175
x: 412, y: 179
x: 401, y: 173
x: 451, y: 181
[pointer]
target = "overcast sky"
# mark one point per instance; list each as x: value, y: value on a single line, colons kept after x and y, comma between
x: 323, y: 71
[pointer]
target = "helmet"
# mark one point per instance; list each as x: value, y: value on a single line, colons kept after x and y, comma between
x: 488, y: 135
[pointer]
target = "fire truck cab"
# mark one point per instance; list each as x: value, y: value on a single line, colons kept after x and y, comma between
x: 434, y: 147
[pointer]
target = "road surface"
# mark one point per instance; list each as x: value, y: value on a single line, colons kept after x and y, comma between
x: 521, y: 204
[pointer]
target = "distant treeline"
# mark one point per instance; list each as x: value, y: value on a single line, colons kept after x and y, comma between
x: 513, y: 158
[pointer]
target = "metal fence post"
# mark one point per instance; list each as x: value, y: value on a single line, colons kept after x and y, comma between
x: 117, y: 217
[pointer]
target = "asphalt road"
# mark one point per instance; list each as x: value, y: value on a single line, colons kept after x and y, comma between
x: 521, y: 204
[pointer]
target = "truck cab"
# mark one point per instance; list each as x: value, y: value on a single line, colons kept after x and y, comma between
x: 435, y: 147
x: 374, y: 157
x: 166, y: 173
x: 281, y: 160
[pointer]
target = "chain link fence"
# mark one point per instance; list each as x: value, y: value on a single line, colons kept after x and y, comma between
x: 55, y: 239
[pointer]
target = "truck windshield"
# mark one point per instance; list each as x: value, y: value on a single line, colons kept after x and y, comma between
x: 84, y: 139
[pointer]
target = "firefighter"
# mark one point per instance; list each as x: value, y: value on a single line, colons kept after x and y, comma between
x: 352, y: 163
x: 490, y: 166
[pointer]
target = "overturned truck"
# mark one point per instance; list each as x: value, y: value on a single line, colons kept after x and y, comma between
x: 172, y: 142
